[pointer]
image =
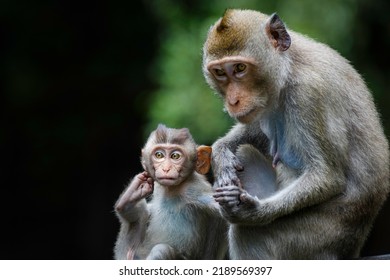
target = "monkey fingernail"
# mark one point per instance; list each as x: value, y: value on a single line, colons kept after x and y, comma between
x: 240, y: 168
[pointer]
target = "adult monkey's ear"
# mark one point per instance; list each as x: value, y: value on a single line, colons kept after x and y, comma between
x: 277, y: 33
x: 203, y: 161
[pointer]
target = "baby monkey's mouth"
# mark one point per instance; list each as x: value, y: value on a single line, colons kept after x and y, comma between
x: 166, y: 178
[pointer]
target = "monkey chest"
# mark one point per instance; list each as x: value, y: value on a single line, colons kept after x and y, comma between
x: 282, y: 142
x: 175, y: 224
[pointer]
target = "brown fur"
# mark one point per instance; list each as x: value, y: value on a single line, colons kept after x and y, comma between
x: 225, y: 31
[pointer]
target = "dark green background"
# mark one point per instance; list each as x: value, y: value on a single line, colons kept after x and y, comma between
x: 83, y: 82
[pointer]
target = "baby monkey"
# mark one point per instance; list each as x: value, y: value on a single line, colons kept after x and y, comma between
x: 181, y: 220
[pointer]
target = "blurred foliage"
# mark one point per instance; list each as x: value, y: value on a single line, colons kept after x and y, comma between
x: 183, y: 99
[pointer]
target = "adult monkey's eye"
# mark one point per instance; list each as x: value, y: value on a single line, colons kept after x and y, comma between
x: 159, y: 155
x: 239, y: 67
x: 175, y: 155
x: 219, y: 72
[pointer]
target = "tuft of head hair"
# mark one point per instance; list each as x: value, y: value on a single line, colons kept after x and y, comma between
x: 231, y: 33
x: 165, y: 135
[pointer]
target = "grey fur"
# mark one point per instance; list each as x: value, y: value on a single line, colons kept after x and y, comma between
x: 319, y: 126
x: 184, y: 226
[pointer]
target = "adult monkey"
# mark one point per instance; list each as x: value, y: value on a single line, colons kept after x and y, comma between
x: 316, y: 171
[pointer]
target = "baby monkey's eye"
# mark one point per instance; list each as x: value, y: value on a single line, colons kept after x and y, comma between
x: 175, y: 155
x: 239, y: 67
x: 159, y: 154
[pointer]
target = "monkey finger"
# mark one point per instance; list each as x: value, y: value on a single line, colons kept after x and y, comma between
x: 148, y: 189
x: 247, y: 199
x: 238, y: 166
x: 150, y: 180
x: 230, y: 188
x: 226, y: 198
x: 227, y: 195
x: 237, y: 182
x: 143, y: 176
